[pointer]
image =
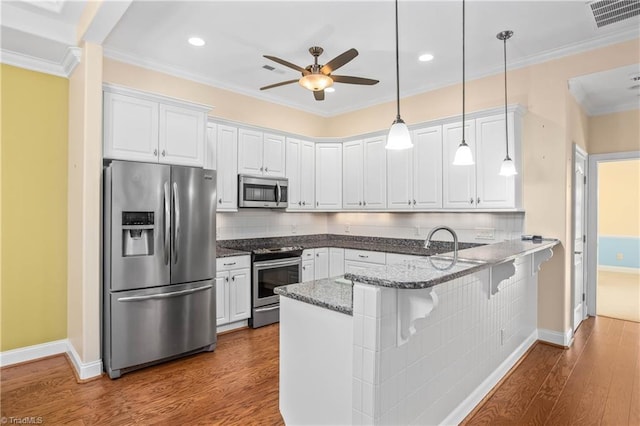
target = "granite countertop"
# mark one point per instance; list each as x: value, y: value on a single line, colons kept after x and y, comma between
x: 226, y: 252
x: 326, y: 293
x: 387, y: 245
x: 424, y: 273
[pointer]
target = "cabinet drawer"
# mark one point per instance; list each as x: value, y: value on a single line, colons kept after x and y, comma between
x: 307, y: 254
x: 233, y: 262
x: 366, y: 256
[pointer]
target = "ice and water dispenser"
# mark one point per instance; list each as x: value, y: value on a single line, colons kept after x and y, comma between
x: 137, y: 233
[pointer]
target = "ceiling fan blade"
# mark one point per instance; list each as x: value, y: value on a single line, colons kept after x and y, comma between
x: 319, y: 95
x: 353, y: 80
x: 287, y: 64
x: 282, y: 83
x: 338, y: 61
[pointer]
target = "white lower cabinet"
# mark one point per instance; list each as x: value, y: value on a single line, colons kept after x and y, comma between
x: 233, y: 289
x: 321, y: 264
x: 336, y: 262
x: 356, y: 261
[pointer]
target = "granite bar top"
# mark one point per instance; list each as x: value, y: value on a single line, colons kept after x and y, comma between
x: 225, y: 252
x: 326, y: 293
x: 387, y: 245
x: 425, y: 273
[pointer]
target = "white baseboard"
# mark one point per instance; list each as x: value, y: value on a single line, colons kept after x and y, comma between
x: 470, y: 402
x: 232, y: 326
x: 620, y: 269
x: 30, y: 353
x: 557, y: 338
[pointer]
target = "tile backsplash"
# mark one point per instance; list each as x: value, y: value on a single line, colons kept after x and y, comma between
x: 470, y: 227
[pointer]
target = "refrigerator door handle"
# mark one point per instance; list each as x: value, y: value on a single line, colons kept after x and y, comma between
x: 167, y: 222
x: 164, y: 295
x: 176, y: 221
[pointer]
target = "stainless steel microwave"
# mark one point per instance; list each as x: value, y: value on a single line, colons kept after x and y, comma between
x: 260, y: 191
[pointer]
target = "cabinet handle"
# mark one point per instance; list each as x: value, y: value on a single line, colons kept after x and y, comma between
x: 414, y: 202
x: 409, y: 202
x: 478, y: 201
x: 364, y: 203
x: 220, y: 201
x: 317, y: 254
x: 233, y: 278
x: 261, y: 169
x: 299, y: 203
x: 164, y: 153
x: 155, y: 152
x: 266, y: 169
x: 363, y: 256
x: 359, y: 203
x: 230, y: 264
x: 304, y: 268
x: 226, y: 279
x: 317, y: 203
x: 304, y: 203
x: 471, y: 201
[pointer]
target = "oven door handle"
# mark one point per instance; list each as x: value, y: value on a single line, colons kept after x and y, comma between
x: 288, y: 262
x: 270, y: 308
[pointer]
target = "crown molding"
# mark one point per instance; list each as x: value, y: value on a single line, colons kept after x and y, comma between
x: 612, y: 109
x: 63, y: 68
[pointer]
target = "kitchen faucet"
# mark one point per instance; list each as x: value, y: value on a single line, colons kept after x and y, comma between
x: 427, y: 242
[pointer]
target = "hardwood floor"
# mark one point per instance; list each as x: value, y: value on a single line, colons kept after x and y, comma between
x: 597, y: 381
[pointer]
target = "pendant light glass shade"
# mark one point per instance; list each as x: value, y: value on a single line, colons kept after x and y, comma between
x: 464, y: 156
x: 508, y: 167
x: 399, y: 136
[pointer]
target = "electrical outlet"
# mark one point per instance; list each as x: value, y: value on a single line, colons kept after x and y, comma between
x: 294, y: 229
x: 619, y: 256
x: 417, y: 229
x: 347, y: 228
x: 485, y: 233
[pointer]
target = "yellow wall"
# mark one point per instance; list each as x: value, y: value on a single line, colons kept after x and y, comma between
x: 34, y: 208
x: 619, y: 203
x: 619, y: 132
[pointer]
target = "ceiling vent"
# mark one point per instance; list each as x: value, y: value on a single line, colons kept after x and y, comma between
x: 606, y: 12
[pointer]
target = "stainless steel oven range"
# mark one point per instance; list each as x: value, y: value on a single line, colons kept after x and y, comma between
x: 272, y: 267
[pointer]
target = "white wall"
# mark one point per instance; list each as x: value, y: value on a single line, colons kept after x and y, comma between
x: 257, y: 223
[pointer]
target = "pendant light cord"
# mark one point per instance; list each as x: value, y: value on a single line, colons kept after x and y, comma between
x: 397, y: 67
x: 506, y: 122
x: 463, y: 79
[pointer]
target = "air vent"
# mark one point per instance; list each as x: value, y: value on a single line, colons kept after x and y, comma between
x: 268, y: 67
x: 606, y: 12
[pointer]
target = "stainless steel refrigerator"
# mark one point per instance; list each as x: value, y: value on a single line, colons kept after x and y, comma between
x: 159, y: 298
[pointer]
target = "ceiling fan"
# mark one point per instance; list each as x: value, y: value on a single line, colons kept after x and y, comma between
x: 317, y: 77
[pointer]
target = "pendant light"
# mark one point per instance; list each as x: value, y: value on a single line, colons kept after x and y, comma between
x: 508, y: 168
x: 463, y: 156
x: 398, y: 137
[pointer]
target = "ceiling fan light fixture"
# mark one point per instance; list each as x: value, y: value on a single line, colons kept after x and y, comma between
x: 399, y: 136
x: 315, y: 82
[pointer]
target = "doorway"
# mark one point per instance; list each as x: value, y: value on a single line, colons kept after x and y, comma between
x: 580, y: 164
x: 614, y: 257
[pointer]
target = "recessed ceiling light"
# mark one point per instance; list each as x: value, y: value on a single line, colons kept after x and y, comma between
x: 330, y: 90
x: 196, y: 41
x: 426, y: 57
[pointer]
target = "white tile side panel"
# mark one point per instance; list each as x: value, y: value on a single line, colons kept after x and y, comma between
x: 262, y: 223
x: 468, y: 226
x: 462, y: 343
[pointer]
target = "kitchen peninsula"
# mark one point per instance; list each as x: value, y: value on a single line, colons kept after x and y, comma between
x: 420, y: 341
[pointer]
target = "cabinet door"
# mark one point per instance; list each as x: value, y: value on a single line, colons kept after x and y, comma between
x: 329, y: 176
x: 321, y: 267
x: 352, y: 173
x: 294, y: 147
x: 459, y: 182
x: 240, y: 294
x: 227, y: 171
x: 210, y: 146
x: 400, y: 178
x: 336, y: 262
x: 374, y: 181
x: 130, y: 128
x: 250, y: 152
x: 181, y: 136
x: 308, y: 270
x: 427, y: 170
x: 222, y: 297
x: 308, y: 175
x: 493, y: 190
x: 273, y: 154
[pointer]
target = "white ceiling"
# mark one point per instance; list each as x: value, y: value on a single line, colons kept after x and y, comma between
x: 237, y: 33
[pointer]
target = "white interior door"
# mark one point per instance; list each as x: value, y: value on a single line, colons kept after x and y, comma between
x: 579, y: 233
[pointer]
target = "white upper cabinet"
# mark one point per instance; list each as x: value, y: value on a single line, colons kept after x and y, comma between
x: 261, y: 154
x: 493, y: 190
x: 329, y: 176
x: 480, y: 186
x: 221, y: 154
x: 459, y: 182
x: 364, y: 173
x: 141, y: 126
x: 414, y: 176
x: 300, y: 167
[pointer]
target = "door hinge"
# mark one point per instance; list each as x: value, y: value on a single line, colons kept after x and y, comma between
x: 585, y: 179
x: 583, y: 297
x: 584, y: 238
